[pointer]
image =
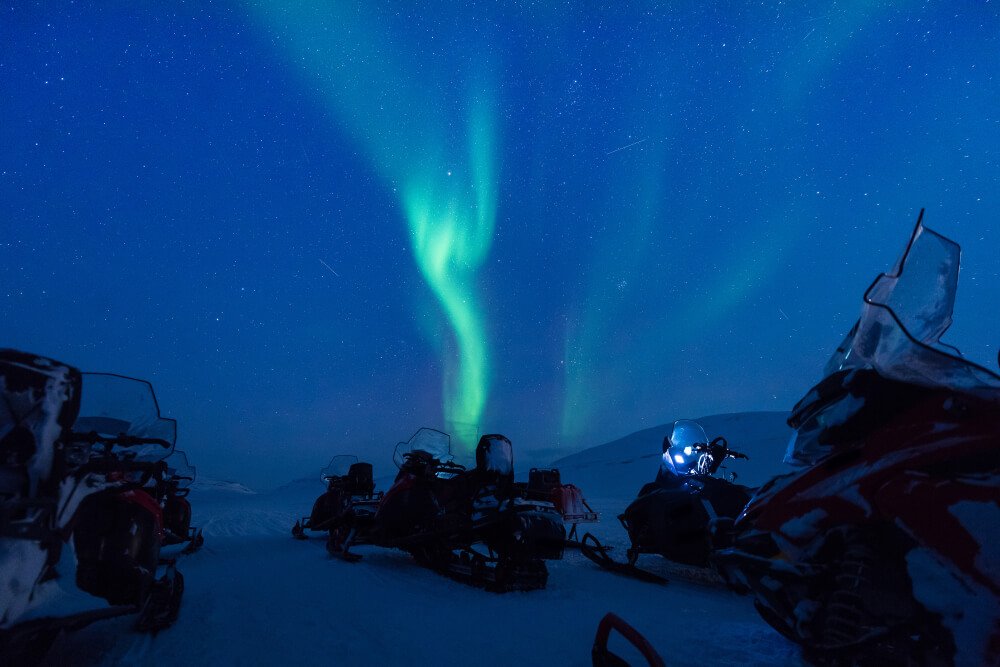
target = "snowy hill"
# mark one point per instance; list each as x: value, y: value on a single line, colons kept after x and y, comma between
x: 255, y: 596
x: 219, y: 485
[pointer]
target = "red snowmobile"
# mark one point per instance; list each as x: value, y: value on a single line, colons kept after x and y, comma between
x: 348, y: 505
x: 471, y: 525
x: 883, y: 549
x: 78, y: 453
x: 173, y: 495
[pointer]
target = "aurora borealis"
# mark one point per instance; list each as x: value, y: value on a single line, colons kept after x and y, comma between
x: 449, y: 199
x: 318, y: 226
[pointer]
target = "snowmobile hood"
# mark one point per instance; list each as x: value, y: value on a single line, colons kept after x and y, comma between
x: 679, y: 455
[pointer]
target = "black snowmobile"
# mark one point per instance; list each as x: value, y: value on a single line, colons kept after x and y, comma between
x: 346, y: 510
x: 78, y: 453
x: 471, y: 525
x: 173, y: 496
x: 675, y: 515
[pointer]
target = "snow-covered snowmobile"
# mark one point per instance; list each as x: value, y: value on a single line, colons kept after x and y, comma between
x: 674, y: 515
x: 346, y: 508
x: 545, y: 484
x: 471, y: 525
x: 173, y: 495
x: 77, y: 452
x: 882, y: 549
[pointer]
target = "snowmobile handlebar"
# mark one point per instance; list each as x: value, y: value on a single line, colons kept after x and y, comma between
x: 720, y: 447
x: 449, y: 465
x: 121, y: 440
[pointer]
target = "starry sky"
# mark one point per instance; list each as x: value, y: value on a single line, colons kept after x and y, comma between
x: 317, y: 226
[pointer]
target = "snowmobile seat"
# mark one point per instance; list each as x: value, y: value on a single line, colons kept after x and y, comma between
x: 495, y: 463
x: 360, y: 481
x: 495, y: 454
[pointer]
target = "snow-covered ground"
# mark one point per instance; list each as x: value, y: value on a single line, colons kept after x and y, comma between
x: 255, y: 596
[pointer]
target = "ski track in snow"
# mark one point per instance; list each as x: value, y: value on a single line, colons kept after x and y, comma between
x: 256, y: 596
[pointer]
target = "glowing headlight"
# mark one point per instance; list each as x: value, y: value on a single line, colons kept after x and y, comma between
x: 678, y: 458
x: 687, y: 452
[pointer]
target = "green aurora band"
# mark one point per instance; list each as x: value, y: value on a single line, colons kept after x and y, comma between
x: 405, y: 131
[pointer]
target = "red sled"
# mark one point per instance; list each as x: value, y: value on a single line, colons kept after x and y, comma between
x: 545, y: 484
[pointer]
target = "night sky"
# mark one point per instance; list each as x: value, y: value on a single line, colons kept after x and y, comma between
x: 317, y: 226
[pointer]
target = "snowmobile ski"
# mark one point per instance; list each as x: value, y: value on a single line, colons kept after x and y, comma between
x: 338, y: 546
x: 195, y: 543
x: 592, y: 548
x: 164, y: 601
x: 601, y: 656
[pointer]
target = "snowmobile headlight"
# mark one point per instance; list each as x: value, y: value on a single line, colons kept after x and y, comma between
x: 687, y: 452
x: 678, y: 458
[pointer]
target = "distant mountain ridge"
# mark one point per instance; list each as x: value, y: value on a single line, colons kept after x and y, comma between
x: 206, y: 484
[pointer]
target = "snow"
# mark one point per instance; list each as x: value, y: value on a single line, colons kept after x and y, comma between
x: 256, y: 596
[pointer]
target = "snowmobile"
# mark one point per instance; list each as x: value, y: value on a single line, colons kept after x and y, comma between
x: 471, y: 525
x: 77, y: 452
x: 346, y: 508
x: 545, y: 484
x: 173, y: 495
x: 674, y: 515
x: 881, y: 549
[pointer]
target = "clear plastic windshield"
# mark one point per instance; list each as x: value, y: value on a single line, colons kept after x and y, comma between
x: 681, y: 456
x: 904, y: 315
x: 338, y: 467
x: 112, y: 405
x: 180, y: 470
x: 898, y: 335
x: 429, y: 440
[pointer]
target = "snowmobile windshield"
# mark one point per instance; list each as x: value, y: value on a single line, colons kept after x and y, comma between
x: 898, y: 335
x: 431, y: 441
x: 339, y: 466
x: 113, y: 405
x: 681, y: 458
x: 180, y: 470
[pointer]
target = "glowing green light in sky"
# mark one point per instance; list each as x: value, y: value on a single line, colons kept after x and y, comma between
x: 390, y: 109
x: 451, y: 234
